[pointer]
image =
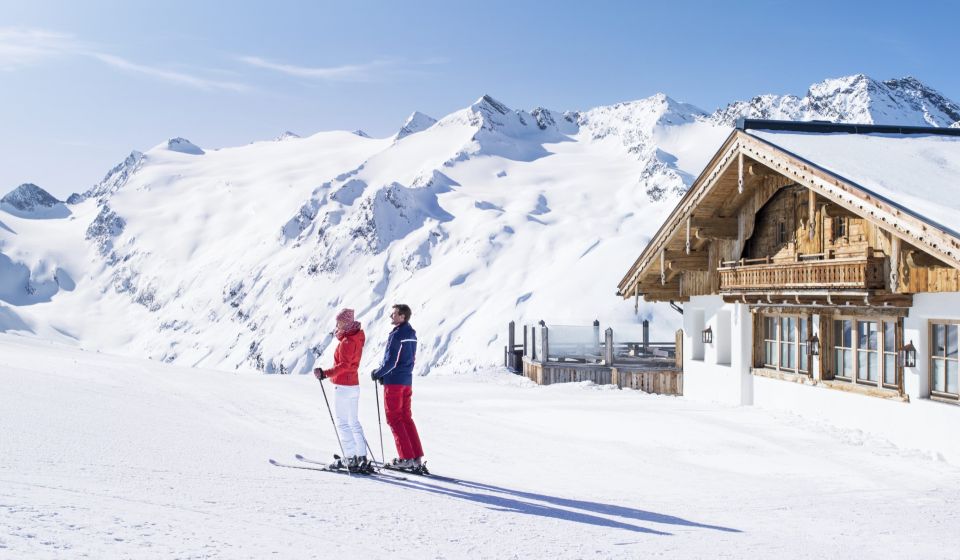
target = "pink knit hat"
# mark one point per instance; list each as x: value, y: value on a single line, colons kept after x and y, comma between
x: 345, y: 316
x: 346, y: 325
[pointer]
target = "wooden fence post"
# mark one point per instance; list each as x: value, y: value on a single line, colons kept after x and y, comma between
x: 608, y: 347
x: 678, y: 345
x: 596, y: 336
x: 646, y: 336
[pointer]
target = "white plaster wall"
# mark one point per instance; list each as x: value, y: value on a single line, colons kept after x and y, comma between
x: 723, y: 373
x: 922, y: 424
x: 919, y: 424
x: 926, y: 307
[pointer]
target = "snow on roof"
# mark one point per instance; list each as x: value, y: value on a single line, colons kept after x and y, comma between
x: 918, y: 173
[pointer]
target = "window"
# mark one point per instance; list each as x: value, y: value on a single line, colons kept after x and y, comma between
x: 889, y: 353
x: 868, y: 367
x: 785, y: 343
x: 788, y: 346
x: 839, y: 228
x: 843, y: 349
x: 943, y: 357
x: 781, y: 232
x: 865, y: 351
x: 770, y: 341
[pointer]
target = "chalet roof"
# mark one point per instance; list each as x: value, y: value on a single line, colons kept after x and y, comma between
x: 916, y: 169
x: 904, y: 179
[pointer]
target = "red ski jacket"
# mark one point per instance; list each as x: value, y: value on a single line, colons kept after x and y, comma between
x: 346, y: 359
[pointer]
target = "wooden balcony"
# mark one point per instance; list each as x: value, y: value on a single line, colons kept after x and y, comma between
x: 864, y: 273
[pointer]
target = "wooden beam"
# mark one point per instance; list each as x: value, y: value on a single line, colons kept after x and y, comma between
x: 894, y: 264
x: 835, y: 211
x: 707, y: 233
x: 920, y: 259
x: 693, y: 261
x: 811, y: 213
x: 740, y: 173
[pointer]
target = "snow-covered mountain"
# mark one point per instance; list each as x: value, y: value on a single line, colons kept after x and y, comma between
x: 416, y: 122
x: 855, y: 99
x: 29, y: 198
x: 239, y: 258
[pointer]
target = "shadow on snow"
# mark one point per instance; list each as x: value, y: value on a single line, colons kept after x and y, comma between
x: 517, y: 501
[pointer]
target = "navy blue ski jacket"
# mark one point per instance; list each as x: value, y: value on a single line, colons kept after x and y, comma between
x: 399, y: 357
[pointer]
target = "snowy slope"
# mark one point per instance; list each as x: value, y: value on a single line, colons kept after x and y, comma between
x: 239, y: 258
x: 136, y: 459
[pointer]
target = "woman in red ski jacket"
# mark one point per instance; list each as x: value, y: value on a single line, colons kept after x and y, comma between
x: 343, y: 376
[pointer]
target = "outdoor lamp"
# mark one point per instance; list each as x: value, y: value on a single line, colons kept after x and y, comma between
x: 814, y: 345
x: 908, y: 355
x: 708, y: 335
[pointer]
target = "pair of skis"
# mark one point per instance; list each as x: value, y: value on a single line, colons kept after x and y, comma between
x: 314, y: 465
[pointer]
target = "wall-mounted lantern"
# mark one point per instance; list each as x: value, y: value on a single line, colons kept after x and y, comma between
x: 814, y: 343
x: 708, y: 335
x: 908, y: 355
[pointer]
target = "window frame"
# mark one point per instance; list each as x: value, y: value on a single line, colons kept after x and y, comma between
x: 779, y: 343
x: 879, y: 353
x: 841, y: 228
x: 932, y: 356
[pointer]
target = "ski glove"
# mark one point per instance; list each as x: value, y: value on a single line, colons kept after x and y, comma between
x: 319, y: 373
x: 373, y: 376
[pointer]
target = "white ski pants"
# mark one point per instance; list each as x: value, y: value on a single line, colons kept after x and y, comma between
x: 346, y: 401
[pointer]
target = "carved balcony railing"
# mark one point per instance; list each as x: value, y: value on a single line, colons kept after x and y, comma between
x: 864, y: 273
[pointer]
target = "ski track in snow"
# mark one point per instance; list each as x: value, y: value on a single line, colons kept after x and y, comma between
x: 111, y: 457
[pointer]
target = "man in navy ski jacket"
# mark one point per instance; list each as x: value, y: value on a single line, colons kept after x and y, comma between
x: 396, y: 375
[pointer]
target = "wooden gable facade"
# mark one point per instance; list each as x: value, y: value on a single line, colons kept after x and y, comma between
x: 812, y: 254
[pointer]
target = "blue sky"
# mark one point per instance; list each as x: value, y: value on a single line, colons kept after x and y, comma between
x: 83, y: 83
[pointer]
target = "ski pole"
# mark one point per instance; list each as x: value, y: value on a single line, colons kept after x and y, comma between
x: 332, y: 421
x: 376, y: 391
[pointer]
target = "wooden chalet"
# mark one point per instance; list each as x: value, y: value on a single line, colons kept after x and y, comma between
x: 819, y: 254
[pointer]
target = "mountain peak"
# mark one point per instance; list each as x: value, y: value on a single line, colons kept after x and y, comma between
x: 287, y: 135
x: 29, y: 198
x: 114, y: 179
x: 416, y: 122
x: 635, y: 121
x: 184, y: 146
x: 857, y: 98
x: 489, y: 104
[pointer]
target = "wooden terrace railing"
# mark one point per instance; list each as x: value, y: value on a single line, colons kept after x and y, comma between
x: 863, y: 273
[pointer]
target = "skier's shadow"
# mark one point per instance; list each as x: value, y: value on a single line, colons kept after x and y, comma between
x: 587, y: 516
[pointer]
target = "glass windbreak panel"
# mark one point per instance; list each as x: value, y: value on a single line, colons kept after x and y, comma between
x: 574, y: 342
x: 939, y: 375
x: 628, y: 340
x: 535, y: 342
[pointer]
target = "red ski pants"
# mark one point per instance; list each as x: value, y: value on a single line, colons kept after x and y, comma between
x: 396, y: 404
